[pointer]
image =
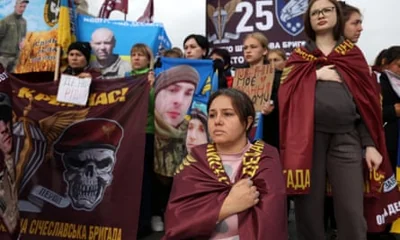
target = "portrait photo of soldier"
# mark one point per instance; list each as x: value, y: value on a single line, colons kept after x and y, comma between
x: 13, y: 30
x: 111, y: 65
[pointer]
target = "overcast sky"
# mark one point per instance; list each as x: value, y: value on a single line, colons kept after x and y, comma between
x: 183, y: 17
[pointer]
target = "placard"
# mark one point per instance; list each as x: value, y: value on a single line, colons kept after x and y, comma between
x: 256, y: 83
x: 73, y: 90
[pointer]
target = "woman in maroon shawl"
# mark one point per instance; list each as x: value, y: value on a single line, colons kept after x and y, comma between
x: 330, y: 113
x: 230, y: 189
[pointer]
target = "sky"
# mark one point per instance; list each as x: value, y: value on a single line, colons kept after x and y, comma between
x: 183, y: 17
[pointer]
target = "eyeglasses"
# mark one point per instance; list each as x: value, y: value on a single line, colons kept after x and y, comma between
x: 325, y: 12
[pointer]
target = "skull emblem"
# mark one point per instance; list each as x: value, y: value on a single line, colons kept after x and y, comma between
x: 88, y: 172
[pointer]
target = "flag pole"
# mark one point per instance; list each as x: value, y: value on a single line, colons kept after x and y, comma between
x: 125, y: 17
x: 57, y: 70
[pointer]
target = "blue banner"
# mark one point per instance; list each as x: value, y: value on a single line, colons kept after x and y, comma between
x: 182, y: 89
x: 126, y: 34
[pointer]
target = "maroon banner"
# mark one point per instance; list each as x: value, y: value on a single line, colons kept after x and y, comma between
x: 113, y: 5
x: 79, y: 169
x: 147, y: 16
x: 229, y: 21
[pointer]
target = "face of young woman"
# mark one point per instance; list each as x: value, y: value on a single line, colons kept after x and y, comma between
x: 196, y: 134
x: 323, y: 16
x: 253, y: 51
x: 193, y: 50
x: 139, y: 60
x: 224, y: 125
x: 173, y: 102
x: 353, y: 27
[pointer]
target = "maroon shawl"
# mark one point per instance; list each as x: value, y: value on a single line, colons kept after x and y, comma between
x: 296, y: 104
x: 201, y: 186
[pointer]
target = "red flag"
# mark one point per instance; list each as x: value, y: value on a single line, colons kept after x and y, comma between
x: 111, y: 5
x: 148, y: 13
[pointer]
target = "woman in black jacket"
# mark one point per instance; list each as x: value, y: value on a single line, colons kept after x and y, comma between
x: 391, y: 100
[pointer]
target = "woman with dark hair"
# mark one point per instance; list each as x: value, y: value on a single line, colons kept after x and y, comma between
x: 329, y: 115
x: 379, y: 61
x: 352, y: 19
x: 389, y: 81
x: 196, y: 47
x: 78, y: 61
x: 230, y: 189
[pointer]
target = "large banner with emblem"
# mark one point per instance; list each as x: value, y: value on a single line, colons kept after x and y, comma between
x: 229, y: 21
x: 78, y: 169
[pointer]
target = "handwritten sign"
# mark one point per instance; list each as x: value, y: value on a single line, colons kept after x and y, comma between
x: 73, y: 90
x: 256, y: 82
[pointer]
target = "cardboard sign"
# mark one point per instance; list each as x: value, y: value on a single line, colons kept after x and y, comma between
x: 73, y: 90
x: 256, y: 83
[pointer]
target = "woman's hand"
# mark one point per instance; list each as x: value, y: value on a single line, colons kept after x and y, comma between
x: 328, y: 73
x: 268, y: 107
x: 242, y: 196
x: 84, y: 75
x: 373, y: 158
x: 151, y: 78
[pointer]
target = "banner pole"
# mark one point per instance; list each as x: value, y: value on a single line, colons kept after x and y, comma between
x: 57, y: 70
x: 125, y: 17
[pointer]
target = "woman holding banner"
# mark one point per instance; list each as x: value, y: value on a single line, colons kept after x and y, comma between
x: 219, y: 191
x: 78, y: 61
x: 330, y: 114
x: 141, y: 62
x: 255, y: 50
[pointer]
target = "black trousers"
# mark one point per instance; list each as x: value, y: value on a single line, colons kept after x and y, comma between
x: 339, y: 156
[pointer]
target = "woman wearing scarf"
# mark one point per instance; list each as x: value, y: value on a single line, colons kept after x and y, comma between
x: 330, y: 113
x: 230, y: 189
x: 141, y: 62
x: 78, y: 61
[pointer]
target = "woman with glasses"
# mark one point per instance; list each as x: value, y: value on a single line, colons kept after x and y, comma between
x: 330, y: 114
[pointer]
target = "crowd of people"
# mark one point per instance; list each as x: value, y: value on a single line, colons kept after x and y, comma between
x: 329, y: 116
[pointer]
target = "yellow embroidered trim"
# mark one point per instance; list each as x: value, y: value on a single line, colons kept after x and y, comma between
x: 285, y: 73
x: 215, y: 163
x: 251, y: 159
x: 305, y: 55
x: 250, y: 166
x: 187, y: 161
x: 344, y: 47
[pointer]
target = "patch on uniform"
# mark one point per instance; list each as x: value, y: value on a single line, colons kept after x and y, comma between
x: 51, y: 12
